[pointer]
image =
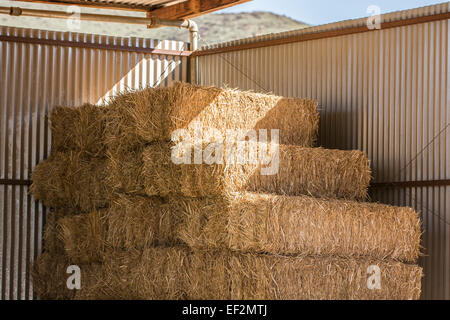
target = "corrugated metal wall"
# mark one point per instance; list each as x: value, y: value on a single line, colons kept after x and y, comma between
x: 34, y: 77
x: 385, y: 92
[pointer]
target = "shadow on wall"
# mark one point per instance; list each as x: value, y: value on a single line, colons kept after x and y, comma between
x: 334, y: 130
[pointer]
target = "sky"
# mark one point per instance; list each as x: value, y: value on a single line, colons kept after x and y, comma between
x: 318, y: 12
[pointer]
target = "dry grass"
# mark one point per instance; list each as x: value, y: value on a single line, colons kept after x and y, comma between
x: 257, y: 223
x: 140, y: 222
x: 50, y: 276
x: 120, y: 129
x: 124, y: 171
x: 312, y: 171
x: 84, y: 236
x: 78, y: 129
x: 153, y: 114
x: 132, y: 222
x: 51, y: 241
x: 69, y: 181
x: 136, y: 275
x: 177, y: 273
x: 300, y: 226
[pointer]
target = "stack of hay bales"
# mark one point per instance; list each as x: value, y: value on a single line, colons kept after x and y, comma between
x: 217, y: 230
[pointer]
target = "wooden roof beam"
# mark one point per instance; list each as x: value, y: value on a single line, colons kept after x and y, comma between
x: 192, y: 8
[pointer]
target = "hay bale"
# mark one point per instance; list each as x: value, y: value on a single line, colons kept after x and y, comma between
x: 132, y: 222
x: 49, y: 275
x: 51, y: 242
x: 300, y: 226
x: 140, y: 222
x: 137, y: 275
x: 312, y: 171
x: 70, y: 181
x: 330, y: 278
x: 78, y: 129
x: 124, y: 171
x: 84, y: 236
x: 178, y: 273
x: 256, y: 223
x: 120, y: 128
x: 153, y: 114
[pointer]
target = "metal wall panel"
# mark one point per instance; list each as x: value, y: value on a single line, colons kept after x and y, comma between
x: 385, y: 92
x: 34, y: 78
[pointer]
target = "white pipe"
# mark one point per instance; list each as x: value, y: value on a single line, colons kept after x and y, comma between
x: 193, y: 30
x: 187, y: 24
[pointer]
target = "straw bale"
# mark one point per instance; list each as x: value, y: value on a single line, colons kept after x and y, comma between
x: 51, y: 242
x: 84, y: 236
x: 124, y: 171
x: 49, y: 277
x: 140, y: 222
x: 137, y: 275
x: 153, y: 114
x: 120, y: 128
x: 49, y: 274
x: 132, y: 222
x: 67, y: 180
x: 178, y: 273
x: 256, y: 223
x: 312, y: 171
x: 78, y: 129
x: 330, y: 278
x: 300, y: 225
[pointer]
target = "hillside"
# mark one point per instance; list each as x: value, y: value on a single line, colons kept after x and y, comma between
x: 214, y: 28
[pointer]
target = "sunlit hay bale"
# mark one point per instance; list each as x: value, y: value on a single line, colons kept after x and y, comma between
x: 83, y: 236
x: 120, y: 127
x: 78, y: 129
x: 135, y: 275
x: 329, y: 278
x: 154, y: 114
x: 178, y: 273
x: 263, y: 223
x: 292, y: 170
x: 317, y: 172
x: 67, y: 180
x: 249, y: 222
x: 124, y: 171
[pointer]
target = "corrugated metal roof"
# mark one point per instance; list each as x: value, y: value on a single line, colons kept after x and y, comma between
x: 165, y: 9
x: 130, y: 4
